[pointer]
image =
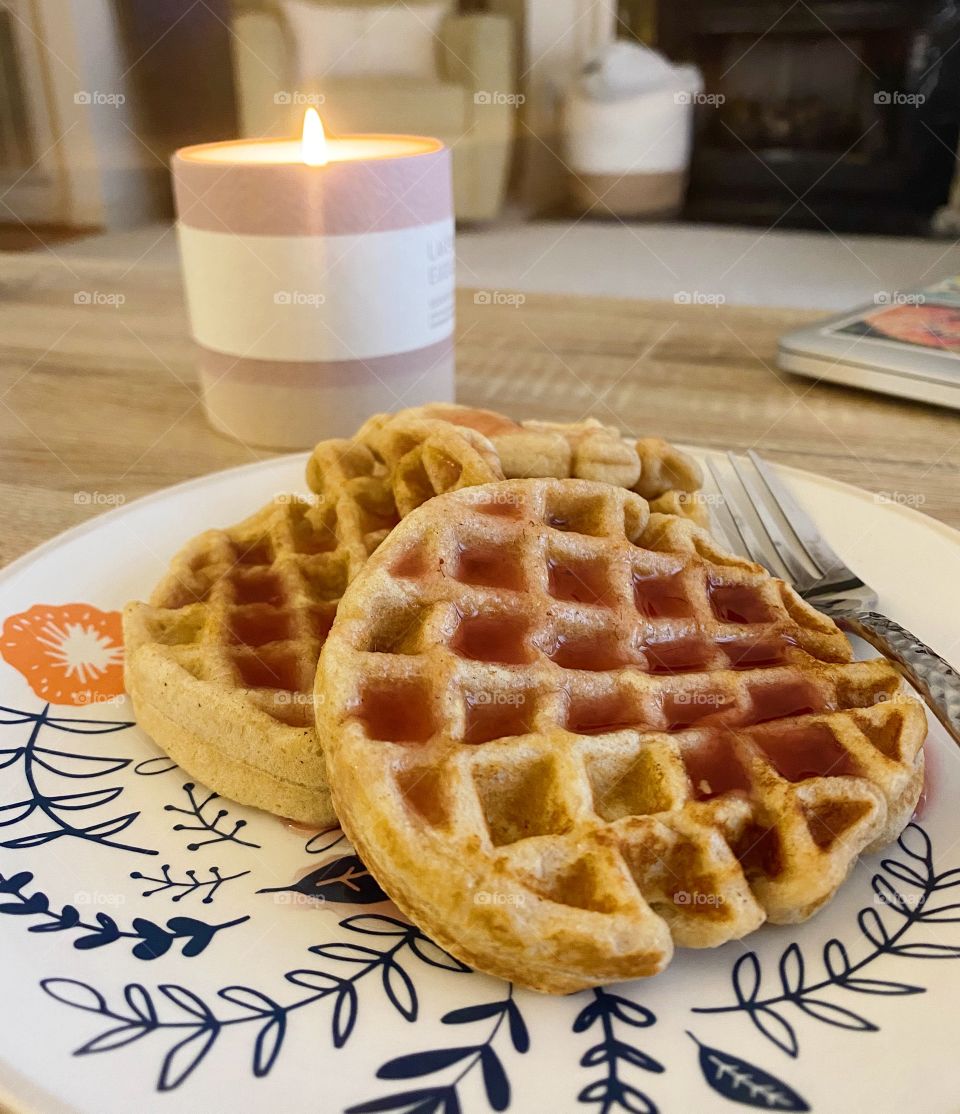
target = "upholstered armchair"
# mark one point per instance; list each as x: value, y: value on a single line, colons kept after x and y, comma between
x: 418, y: 68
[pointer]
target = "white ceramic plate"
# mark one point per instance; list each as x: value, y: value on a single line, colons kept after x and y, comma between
x: 285, y: 982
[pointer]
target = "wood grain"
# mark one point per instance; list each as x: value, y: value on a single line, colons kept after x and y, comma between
x: 101, y: 398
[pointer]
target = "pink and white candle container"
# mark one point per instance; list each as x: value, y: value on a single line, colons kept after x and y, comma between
x: 319, y: 280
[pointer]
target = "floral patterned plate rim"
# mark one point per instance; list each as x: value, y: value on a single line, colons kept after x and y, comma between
x: 167, y: 950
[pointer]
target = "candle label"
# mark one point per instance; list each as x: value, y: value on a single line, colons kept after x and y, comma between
x: 342, y: 297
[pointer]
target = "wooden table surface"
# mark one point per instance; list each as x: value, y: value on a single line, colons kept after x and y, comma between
x: 100, y: 403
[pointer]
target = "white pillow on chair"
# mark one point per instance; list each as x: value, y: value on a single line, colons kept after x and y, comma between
x: 342, y: 41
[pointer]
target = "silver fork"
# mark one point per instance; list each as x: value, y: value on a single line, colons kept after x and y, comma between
x: 760, y: 519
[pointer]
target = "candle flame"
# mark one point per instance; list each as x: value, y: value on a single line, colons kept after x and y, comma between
x: 313, y: 143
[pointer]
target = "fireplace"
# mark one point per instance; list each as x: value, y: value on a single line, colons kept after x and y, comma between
x: 817, y: 113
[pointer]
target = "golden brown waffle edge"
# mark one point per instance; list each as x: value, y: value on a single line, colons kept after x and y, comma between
x: 565, y: 824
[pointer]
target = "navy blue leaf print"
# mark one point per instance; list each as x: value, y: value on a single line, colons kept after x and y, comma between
x: 776, y: 1028
x: 154, y: 941
x: 345, y: 953
x: 745, y: 1083
x: 112, y: 1039
x: 466, y: 1014
x: 888, y: 894
x: 57, y: 810
x: 621, y: 1095
x: 268, y: 1044
x: 916, y: 843
x: 377, y: 924
x: 746, y: 978
x: 903, y: 872
x: 140, y: 1003
x: 345, y: 880
x: 344, y: 1014
x: 187, y: 1001
x: 321, y: 842
x: 422, y: 1101
x: 249, y: 999
x: 884, y: 926
x: 466, y: 1056
x: 424, y: 1063
x: 836, y: 959
x: 519, y: 1035
x: 878, y: 986
x: 632, y: 1013
x: 835, y: 1015
x: 927, y: 951
x: 399, y: 989
x: 150, y: 767
x: 151, y: 940
x: 323, y: 981
x: 179, y: 888
x: 791, y: 970
x: 213, y: 826
x: 195, y: 1025
x: 494, y: 1079
x: 943, y: 914
x: 872, y: 926
x: 72, y: 992
x: 612, y: 1091
x: 184, y: 1057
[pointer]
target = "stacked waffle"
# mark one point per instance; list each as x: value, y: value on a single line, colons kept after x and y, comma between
x: 565, y: 733
x: 565, y: 738
x: 220, y: 662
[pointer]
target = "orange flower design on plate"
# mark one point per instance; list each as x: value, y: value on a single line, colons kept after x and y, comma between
x: 69, y: 653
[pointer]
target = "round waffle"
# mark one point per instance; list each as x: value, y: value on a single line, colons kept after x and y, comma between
x: 566, y: 737
x: 429, y: 450
x: 586, y: 450
x: 220, y: 663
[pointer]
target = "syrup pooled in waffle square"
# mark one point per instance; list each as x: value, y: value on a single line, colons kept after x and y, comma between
x: 566, y: 736
x: 220, y: 664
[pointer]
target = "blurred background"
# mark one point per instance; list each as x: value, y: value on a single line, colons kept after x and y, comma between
x: 694, y: 123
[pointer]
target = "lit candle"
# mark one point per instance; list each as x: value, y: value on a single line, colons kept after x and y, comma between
x: 319, y: 279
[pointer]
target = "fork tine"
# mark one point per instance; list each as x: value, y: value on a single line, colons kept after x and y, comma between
x: 806, y: 533
x: 752, y: 546
x: 722, y: 524
x: 800, y: 574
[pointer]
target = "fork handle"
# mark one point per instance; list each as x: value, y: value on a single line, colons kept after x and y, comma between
x: 935, y: 679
